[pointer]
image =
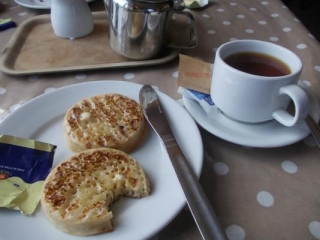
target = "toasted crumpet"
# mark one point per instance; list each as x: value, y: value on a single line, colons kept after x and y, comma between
x: 78, y: 192
x: 109, y: 120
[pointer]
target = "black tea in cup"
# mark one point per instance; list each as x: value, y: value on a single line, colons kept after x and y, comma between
x: 257, y: 64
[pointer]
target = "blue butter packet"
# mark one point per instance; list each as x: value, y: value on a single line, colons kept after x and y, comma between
x: 27, y: 159
x: 7, y: 23
x: 24, y: 166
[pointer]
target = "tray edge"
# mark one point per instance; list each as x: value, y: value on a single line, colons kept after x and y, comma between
x: 6, y: 51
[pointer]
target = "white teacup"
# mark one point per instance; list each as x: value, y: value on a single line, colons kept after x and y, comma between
x: 253, y: 98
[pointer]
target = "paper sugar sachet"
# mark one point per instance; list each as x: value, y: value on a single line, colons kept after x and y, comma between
x: 24, y: 165
x: 194, y: 74
x: 195, y: 81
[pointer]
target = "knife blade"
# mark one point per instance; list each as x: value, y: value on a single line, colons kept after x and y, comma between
x: 196, y: 199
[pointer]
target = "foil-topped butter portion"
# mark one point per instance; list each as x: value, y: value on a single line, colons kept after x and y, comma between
x: 24, y: 165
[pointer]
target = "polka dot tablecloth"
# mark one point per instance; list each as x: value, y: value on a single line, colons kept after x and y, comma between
x: 257, y: 193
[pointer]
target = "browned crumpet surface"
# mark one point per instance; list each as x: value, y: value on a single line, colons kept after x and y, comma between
x: 77, y: 194
x: 110, y: 120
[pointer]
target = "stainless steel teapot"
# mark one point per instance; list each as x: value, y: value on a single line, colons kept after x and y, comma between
x: 140, y: 29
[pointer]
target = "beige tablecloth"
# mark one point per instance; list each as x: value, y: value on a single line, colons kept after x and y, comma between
x: 257, y: 193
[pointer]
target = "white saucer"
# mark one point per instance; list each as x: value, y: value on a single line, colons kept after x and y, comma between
x: 265, y: 135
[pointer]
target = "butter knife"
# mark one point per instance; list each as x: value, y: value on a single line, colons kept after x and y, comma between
x: 314, y: 129
x: 197, y: 201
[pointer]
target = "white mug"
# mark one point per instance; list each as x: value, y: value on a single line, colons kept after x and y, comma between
x: 253, y: 98
x: 71, y: 18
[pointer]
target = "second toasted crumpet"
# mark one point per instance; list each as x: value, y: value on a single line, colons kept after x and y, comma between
x: 78, y: 192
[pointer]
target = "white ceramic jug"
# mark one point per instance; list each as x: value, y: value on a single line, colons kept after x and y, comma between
x: 71, y: 18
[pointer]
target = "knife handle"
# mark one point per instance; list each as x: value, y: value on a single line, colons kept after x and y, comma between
x: 197, y: 201
x: 314, y: 129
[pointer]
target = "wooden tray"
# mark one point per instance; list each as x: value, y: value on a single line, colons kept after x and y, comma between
x: 34, y: 48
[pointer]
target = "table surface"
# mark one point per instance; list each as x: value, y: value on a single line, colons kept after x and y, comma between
x: 257, y: 193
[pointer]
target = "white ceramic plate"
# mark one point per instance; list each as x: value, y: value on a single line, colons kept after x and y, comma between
x: 37, y: 4
x: 41, y: 119
x: 265, y: 135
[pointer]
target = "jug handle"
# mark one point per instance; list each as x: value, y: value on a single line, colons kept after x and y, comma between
x: 193, y: 40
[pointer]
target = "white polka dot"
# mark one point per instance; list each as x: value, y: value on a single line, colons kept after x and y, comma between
x: 249, y: 30
x: 3, y: 91
x: 284, y: 6
x: 262, y: 22
x: 274, y: 15
x: 235, y: 232
x: 306, y: 82
x: 221, y: 168
x: 314, y: 228
x: 253, y: 9
x: 22, y: 14
x: 240, y: 16
x: 265, y: 199
x: 129, y: 76
x: 33, y: 78
x: 286, y: 29
x: 81, y: 76
x: 50, y: 89
x: 264, y: 2
x: 289, y: 167
x: 226, y: 23
x: 205, y: 15
x: 233, y: 4
x: 211, y: 32
x: 317, y: 68
x: 175, y: 74
x: 296, y: 20
x: 274, y: 39
x: 14, y: 107
x: 301, y: 46
x: 233, y: 39
x: 220, y: 10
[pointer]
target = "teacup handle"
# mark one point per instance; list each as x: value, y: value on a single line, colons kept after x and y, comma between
x: 301, y: 105
x: 193, y: 41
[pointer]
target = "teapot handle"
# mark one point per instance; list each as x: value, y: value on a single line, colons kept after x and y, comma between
x: 193, y: 40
